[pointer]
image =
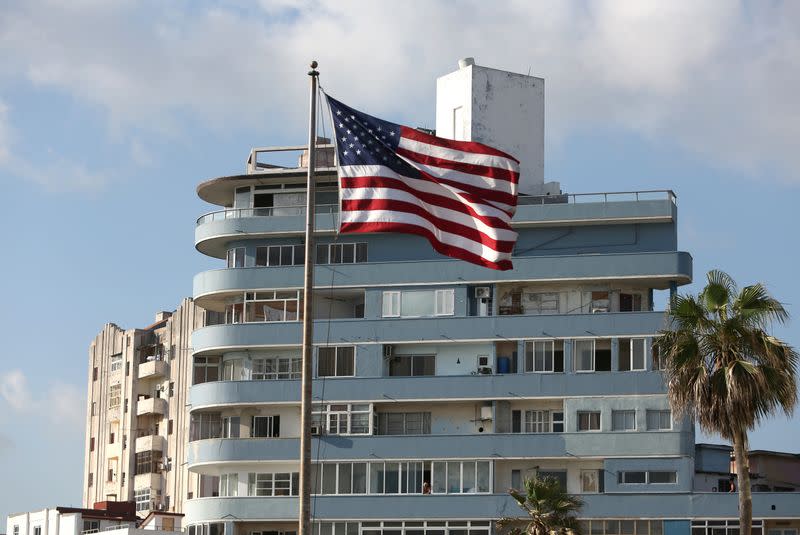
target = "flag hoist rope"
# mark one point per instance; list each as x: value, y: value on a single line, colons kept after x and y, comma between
x: 304, y: 519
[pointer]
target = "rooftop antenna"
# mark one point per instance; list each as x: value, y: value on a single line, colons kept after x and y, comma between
x: 308, y: 324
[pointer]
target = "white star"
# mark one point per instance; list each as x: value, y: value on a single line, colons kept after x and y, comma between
x: 351, y: 145
x: 345, y: 153
x: 379, y: 128
x: 341, y: 125
x: 338, y: 112
x: 344, y: 139
x: 355, y: 138
x: 370, y: 130
x: 348, y: 131
x: 346, y: 119
x: 391, y: 133
x: 358, y: 152
x: 352, y: 116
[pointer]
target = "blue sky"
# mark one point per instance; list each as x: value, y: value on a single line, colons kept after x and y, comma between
x: 110, y: 115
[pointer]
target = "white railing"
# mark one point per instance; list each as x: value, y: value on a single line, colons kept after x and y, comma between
x: 609, y: 196
x: 325, y: 157
x: 273, y: 211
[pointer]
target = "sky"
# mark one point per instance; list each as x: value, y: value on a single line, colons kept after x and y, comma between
x: 112, y: 112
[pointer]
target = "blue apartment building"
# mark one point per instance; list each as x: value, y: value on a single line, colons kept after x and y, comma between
x: 439, y: 384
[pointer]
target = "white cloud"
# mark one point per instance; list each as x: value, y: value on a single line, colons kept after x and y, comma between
x: 716, y: 78
x: 14, y: 390
x: 63, y: 404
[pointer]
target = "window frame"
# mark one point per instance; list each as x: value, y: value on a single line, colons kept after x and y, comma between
x: 235, y: 257
x: 114, y: 395
x: 336, y: 357
x: 115, y: 362
x: 661, y: 413
x: 590, y: 415
x: 575, y: 358
x: 623, y: 413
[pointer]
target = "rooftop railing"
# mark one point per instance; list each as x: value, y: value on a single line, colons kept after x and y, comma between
x: 571, y: 198
x: 273, y: 211
x: 604, y: 197
x: 325, y: 157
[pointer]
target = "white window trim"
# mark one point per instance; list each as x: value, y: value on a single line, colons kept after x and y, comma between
x: 552, y: 342
x: 635, y: 426
x: 390, y: 306
x: 575, y: 355
x: 447, y: 299
x: 599, y: 422
x: 659, y: 429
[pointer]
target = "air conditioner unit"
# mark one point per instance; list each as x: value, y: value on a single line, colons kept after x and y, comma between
x: 483, y: 360
x: 486, y: 412
x: 485, y: 370
x: 316, y: 430
x: 388, y: 351
x: 483, y: 292
x: 599, y: 310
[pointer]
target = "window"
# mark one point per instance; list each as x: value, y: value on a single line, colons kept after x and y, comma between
x: 655, y: 477
x: 659, y: 420
x: 434, y: 527
x: 591, y: 481
x: 538, y: 422
x: 169, y: 426
x: 588, y: 421
x: 229, y: 485
x: 343, y: 418
x: 630, y: 302
x: 418, y: 303
x: 544, y: 356
x: 592, y: 355
x: 205, y: 425
x: 265, y: 426
x: 631, y: 354
x: 627, y: 478
x: 412, y: 365
x: 231, y: 427
x: 280, y: 255
x: 142, y: 499
x: 273, y: 305
x: 341, y: 253
x: 116, y: 362
x: 276, y: 368
x: 147, y: 462
x: 91, y: 444
x: 445, y: 302
x: 658, y: 362
x: 37, y: 530
x: 90, y: 526
x: 718, y: 527
x: 336, y: 361
x: 279, y: 484
x: 623, y: 420
x: 541, y: 303
x: 391, y: 304
x: 404, y: 423
x: 233, y: 370
x: 206, y: 369
x: 94, y: 373
x: 171, y: 388
x: 15, y: 530
x: 94, y: 408
x: 662, y: 477
x: 235, y: 257
x: 114, y: 396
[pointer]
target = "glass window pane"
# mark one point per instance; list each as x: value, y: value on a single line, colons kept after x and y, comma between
x: 345, y: 478
x: 439, y: 483
x: 468, y: 477
x: 417, y: 303
x: 361, y: 252
x: 359, y: 478
x: 453, y: 477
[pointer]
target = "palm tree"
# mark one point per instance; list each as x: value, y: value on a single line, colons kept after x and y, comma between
x: 725, y: 370
x: 550, y: 509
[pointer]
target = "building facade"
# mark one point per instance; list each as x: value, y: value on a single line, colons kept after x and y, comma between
x: 438, y: 384
x: 136, y: 420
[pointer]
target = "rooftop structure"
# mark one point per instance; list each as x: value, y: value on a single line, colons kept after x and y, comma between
x: 113, y: 518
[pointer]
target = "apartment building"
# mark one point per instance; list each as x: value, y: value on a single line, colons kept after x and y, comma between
x: 136, y: 420
x: 438, y: 384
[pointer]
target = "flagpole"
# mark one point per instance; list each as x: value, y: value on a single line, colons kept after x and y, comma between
x: 308, y: 325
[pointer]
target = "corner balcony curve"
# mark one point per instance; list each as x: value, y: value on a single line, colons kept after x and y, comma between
x: 155, y: 406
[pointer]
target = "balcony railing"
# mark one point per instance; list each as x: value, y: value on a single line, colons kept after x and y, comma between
x: 272, y: 211
x: 604, y: 197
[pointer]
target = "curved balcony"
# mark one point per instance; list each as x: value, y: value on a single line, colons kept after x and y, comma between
x: 473, y: 446
x: 452, y: 387
x: 392, y: 331
x: 215, y: 229
x: 492, y: 506
x: 654, y: 269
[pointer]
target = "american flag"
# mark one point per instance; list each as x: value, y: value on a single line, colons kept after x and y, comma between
x: 460, y: 195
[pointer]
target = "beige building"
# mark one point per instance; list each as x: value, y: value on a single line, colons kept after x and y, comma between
x: 136, y: 420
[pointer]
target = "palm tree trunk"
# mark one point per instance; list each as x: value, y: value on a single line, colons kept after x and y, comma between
x: 743, y: 483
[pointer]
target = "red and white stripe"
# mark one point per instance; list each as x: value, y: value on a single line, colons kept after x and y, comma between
x: 462, y: 202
